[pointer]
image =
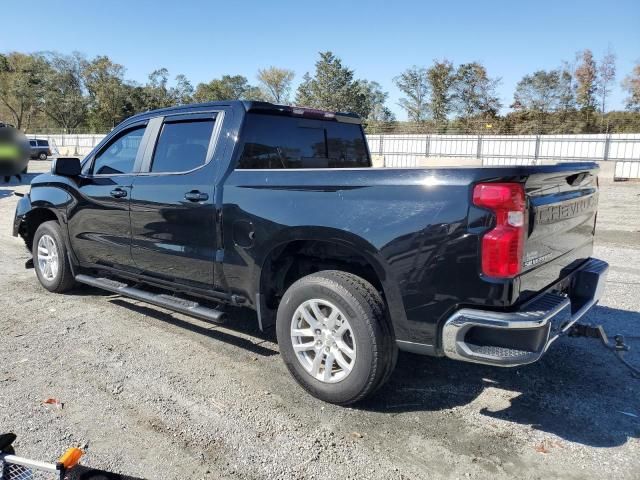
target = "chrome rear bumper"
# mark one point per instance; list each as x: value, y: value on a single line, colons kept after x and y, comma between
x: 509, y: 339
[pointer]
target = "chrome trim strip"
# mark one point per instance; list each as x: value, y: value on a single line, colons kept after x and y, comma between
x: 418, y: 348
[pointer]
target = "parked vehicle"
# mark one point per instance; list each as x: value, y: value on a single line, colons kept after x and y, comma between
x: 39, y: 148
x: 278, y: 209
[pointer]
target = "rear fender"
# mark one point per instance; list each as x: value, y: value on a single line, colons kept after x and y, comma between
x: 354, y: 242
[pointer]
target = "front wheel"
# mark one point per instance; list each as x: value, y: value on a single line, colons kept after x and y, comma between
x: 334, y: 336
x: 51, y: 260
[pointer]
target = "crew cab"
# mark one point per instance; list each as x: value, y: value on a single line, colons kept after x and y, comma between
x: 278, y: 209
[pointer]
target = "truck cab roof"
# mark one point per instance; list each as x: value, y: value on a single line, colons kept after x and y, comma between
x: 254, y: 106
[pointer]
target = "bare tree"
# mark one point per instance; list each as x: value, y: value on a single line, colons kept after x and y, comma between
x: 276, y: 83
x: 414, y: 83
x: 606, y: 77
x: 631, y: 84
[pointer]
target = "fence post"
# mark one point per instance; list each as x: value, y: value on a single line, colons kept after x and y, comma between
x: 479, y: 148
x: 428, y: 146
x: 536, y: 150
x: 607, y: 143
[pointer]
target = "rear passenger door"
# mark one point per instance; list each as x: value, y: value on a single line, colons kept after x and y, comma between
x: 173, y: 215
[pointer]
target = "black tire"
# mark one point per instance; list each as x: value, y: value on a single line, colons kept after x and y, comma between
x: 42, y: 156
x: 376, y: 350
x: 63, y: 280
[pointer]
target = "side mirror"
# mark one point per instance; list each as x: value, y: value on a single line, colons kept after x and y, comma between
x: 66, y: 166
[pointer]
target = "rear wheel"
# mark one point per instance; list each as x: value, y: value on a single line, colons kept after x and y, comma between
x: 42, y: 156
x: 334, y: 336
x: 51, y: 260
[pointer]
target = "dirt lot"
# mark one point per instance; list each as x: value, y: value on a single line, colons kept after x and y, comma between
x: 159, y: 395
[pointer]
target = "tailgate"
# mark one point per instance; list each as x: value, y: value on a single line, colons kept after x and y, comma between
x: 562, y: 217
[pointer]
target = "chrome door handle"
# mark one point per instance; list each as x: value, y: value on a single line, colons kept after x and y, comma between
x: 196, y: 196
x: 118, y: 193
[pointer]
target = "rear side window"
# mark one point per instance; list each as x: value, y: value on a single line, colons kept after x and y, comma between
x: 271, y: 141
x: 182, y: 146
x: 43, y: 143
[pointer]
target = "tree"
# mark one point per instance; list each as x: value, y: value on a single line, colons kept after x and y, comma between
x: 539, y: 92
x: 606, y: 76
x: 22, y: 86
x: 414, y: 83
x: 586, y: 74
x: 375, y: 98
x: 64, y: 99
x: 229, y: 87
x: 156, y: 91
x: 104, y: 81
x: 276, y: 84
x: 333, y: 88
x: 182, y: 92
x: 440, y: 78
x: 566, y: 89
x: 631, y: 84
x: 474, y: 93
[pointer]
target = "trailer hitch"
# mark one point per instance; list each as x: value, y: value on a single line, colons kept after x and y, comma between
x: 618, y: 347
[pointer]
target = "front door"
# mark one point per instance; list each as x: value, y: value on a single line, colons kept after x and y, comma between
x: 173, y: 215
x: 99, y: 223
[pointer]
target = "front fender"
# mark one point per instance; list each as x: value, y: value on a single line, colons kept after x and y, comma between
x: 43, y: 202
x: 22, y: 209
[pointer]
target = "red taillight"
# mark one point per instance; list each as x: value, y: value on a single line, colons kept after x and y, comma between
x: 503, y: 246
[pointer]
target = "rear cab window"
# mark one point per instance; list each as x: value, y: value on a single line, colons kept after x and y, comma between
x: 283, y: 142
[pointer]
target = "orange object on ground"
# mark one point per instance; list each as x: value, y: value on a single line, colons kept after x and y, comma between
x: 71, y: 457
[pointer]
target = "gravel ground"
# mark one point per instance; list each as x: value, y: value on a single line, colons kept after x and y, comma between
x: 158, y: 395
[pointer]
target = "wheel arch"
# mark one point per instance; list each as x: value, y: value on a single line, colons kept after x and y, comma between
x: 299, y: 252
x: 32, y: 220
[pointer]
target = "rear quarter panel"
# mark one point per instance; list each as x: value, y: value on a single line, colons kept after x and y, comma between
x: 410, y: 224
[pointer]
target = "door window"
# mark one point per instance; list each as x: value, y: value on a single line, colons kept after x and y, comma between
x: 119, y: 156
x: 182, y: 145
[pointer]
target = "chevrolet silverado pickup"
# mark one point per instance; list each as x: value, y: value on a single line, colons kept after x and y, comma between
x: 278, y: 209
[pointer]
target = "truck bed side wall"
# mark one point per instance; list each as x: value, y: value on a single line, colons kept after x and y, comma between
x: 412, y: 227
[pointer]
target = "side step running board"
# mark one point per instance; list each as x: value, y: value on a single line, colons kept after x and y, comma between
x: 176, y: 304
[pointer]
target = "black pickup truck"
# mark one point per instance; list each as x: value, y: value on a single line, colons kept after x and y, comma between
x: 278, y: 209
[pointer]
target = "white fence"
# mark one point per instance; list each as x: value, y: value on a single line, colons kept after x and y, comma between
x: 416, y: 150
x: 71, y: 144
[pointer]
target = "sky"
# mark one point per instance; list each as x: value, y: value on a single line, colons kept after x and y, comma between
x: 377, y: 39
